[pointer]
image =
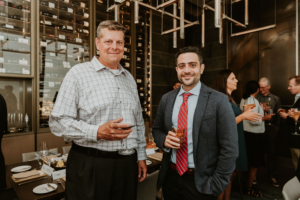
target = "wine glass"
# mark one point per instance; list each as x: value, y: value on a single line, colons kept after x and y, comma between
x: 296, y: 115
x: 43, y: 150
x: 129, y: 117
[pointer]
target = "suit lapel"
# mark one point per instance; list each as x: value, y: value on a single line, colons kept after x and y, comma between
x: 169, y: 108
x: 296, y: 104
x: 199, y: 112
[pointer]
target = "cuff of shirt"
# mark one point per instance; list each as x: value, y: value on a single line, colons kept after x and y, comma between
x: 141, y: 153
x: 92, y: 133
x: 167, y: 150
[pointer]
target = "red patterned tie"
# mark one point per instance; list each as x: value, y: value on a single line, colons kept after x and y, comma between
x: 182, y: 153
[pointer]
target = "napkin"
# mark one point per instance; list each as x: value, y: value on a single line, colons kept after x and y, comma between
x: 26, y: 174
x: 156, y: 156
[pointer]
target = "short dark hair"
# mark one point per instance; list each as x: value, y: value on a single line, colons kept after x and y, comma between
x: 176, y: 82
x: 251, y: 88
x: 297, y: 79
x: 189, y: 49
x: 220, y: 83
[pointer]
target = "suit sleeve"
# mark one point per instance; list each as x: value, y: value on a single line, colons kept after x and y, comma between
x: 228, y: 142
x: 158, y: 128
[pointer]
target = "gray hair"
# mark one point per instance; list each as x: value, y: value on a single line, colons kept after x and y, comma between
x: 110, y: 25
x: 265, y: 79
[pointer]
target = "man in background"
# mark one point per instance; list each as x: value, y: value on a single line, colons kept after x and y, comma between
x: 272, y: 127
x: 294, y: 88
x: 176, y: 85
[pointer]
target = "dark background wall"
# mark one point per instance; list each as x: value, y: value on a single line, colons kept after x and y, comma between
x: 214, y: 53
x: 269, y: 53
x: 163, y: 59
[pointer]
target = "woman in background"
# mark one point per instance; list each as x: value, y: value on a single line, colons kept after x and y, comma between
x: 254, y: 134
x: 3, y: 129
x: 226, y: 83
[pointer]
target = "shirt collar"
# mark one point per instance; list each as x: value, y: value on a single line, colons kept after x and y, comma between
x: 297, y: 95
x: 194, y: 91
x: 99, y: 66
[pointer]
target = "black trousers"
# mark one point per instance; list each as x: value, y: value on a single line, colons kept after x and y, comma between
x: 90, y: 177
x: 270, y: 141
x: 176, y: 187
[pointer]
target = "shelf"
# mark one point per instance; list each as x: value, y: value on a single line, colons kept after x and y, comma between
x: 12, y: 31
x: 12, y: 51
x: 61, y: 30
x: 65, y: 13
x: 61, y: 21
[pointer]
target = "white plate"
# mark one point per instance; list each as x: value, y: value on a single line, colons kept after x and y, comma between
x: 44, y: 188
x: 156, y: 148
x: 148, y: 162
x: 22, y: 168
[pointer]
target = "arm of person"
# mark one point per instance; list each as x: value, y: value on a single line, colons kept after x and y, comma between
x: 227, y: 137
x: 258, y: 109
x: 140, y: 128
x: 158, y: 128
x: 63, y: 120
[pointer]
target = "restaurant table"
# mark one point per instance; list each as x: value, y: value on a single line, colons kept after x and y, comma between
x: 25, y: 192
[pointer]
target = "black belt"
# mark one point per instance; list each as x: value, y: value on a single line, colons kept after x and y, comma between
x: 98, y: 153
x: 190, y: 171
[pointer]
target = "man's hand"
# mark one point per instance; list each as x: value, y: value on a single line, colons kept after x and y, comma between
x: 113, y: 130
x: 172, y: 141
x: 283, y: 115
x: 142, y: 170
x: 268, y: 117
x: 290, y: 113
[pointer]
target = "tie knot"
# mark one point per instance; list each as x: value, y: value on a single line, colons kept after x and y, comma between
x: 185, y: 96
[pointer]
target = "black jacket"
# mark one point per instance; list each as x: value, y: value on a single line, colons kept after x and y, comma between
x: 294, y: 139
x: 3, y: 129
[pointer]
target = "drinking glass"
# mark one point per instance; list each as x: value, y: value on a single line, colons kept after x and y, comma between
x: 43, y: 150
x: 180, y: 133
x: 129, y: 117
x: 249, y: 104
x: 296, y: 115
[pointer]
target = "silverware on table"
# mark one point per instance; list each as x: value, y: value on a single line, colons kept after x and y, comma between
x: 60, y: 182
x: 48, y: 184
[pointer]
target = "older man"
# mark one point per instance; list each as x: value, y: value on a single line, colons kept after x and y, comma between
x: 272, y: 127
x: 107, y: 157
x: 294, y: 88
x: 203, y: 164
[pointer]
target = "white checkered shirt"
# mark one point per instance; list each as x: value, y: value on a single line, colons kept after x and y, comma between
x: 91, y: 95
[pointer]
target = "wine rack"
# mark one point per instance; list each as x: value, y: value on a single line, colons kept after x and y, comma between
x: 142, y: 51
x: 63, y: 43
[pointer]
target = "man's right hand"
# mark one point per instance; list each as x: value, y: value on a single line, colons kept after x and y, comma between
x: 172, y: 141
x: 114, y: 130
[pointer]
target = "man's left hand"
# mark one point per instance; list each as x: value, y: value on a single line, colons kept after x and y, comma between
x: 142, y: 170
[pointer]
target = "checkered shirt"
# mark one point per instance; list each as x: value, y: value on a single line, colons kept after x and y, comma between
x: 91, y: 95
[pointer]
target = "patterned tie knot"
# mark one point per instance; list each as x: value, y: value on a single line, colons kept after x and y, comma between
x: 186, y: 96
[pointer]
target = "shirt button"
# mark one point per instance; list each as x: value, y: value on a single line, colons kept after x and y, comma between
x: 120, y: 101
x: 118, y: 88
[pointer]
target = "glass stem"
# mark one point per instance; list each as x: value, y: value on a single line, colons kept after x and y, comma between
x: 295, y: 127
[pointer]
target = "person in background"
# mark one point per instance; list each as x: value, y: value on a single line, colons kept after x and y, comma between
x: 271, y: 126
x: 254, y: 133
x: 226, y: 83
x: 294, y: 88
x: 3, y: 129
x: 201, y: 167
x: 107, y: 158
x: 176, y: 85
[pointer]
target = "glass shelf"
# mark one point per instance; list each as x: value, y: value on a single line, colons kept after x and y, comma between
x: 15, y: 37
x: 64, y: 42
